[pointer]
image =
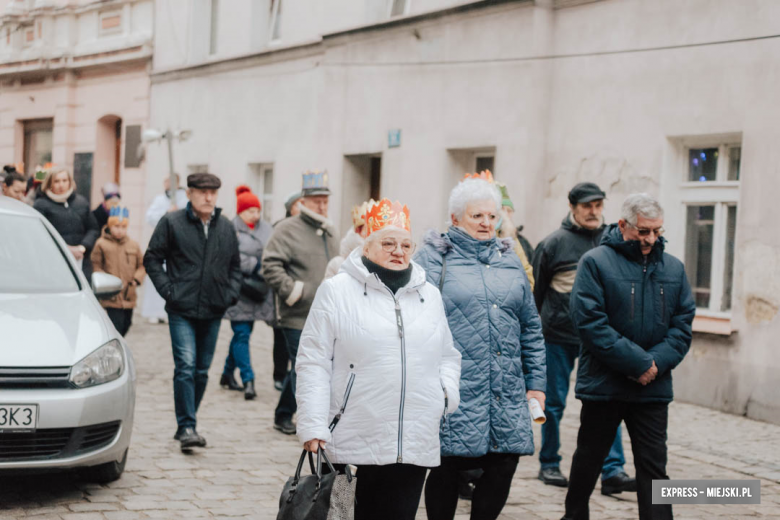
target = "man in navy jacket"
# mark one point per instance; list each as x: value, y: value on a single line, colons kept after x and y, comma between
x: 633, y: 309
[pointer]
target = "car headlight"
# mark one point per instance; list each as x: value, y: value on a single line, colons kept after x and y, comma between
x: 105, y: 364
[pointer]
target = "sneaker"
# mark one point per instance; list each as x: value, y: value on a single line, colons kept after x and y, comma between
x: 286, y: 426
x: 617, y: 484
x: 553, y: 477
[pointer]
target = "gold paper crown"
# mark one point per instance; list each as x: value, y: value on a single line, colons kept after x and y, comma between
x: 385, y: 213
x: 485, y: 175
x: 359, y: 213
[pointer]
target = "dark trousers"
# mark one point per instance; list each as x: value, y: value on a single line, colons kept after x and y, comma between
x: 238, y: 353
x: 281, y: 359
x: 490, y: 491
x: 287, y: 405
x: 390, y: 492
x: 646, y: 424
x: 193, y: 343
x: 121, y: 318
x: 560, y: 363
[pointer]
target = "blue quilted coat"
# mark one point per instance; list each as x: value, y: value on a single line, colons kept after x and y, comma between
x: 496, y: 328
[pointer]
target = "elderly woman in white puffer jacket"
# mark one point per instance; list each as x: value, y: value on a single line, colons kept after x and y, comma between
x: 377, y: 359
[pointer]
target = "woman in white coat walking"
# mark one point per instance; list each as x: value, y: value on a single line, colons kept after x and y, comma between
x: 377, y: 369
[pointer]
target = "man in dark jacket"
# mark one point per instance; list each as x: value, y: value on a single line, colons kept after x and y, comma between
x: 633, y: 309
x: 294, y: 263
x: 555, y: 266
x: 201, y: 280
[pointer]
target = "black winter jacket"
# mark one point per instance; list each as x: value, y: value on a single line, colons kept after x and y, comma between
x: 555, y: 266
x: 202, y: 276
x: 630, y: 310
x: 72, y: 219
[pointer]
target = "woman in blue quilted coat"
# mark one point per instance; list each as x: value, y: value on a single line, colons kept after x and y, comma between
x: 496, y: 328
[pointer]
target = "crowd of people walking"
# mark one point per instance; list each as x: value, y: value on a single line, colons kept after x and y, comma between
x: 416, y: 365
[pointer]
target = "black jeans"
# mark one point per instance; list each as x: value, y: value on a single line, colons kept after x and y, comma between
x: 490, y: 491
x: 646, y: 424
x: 281, y: 358
x: 121, y: 318
x: 287, y: 405
x: 390, y: 492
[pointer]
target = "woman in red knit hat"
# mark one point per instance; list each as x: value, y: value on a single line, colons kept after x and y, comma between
x: 254, y: 304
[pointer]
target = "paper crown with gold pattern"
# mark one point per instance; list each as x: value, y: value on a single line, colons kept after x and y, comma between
x: 384, y: 214
x: 118, y: 216
x: 359, y: 213
x: 315, y: 183
x: 485, y: 175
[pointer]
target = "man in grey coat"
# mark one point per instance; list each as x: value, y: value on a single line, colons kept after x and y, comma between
x: 294, y: 264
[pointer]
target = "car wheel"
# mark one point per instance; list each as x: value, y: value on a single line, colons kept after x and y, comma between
x: 107, y: 472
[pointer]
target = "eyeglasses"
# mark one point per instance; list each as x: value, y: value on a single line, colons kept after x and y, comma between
x: 390, y: 245
x: 644, y: 232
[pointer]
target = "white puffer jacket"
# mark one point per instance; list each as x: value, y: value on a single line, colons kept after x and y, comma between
x: 391, y: 372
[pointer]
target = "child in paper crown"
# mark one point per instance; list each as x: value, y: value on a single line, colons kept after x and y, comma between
x: 117, y: 254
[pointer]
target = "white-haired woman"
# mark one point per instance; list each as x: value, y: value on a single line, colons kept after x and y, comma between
x: 495, y: 326
x: 377, y: 370
x: 70, y: 215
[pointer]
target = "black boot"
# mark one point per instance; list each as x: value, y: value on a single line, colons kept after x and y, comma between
x: 249, y: 390
x: 229, y: 381
x: 617, y: 484
x: 553, y: 477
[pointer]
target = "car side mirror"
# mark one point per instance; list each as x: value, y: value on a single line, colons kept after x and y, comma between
x: 105, y: 285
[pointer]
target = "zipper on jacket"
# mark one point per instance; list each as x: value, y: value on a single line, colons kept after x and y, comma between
x: 347, y: 391
x: 663, y: 305
x: 203, y: 263
x: 399, y: 321
x: 633, y: 291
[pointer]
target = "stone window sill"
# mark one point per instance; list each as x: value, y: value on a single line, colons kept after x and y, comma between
x: 713, y: 325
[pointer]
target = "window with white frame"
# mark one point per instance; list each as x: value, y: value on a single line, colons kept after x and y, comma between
x: 262, y: 183
x: 710, y: 193
x: 398, y: 7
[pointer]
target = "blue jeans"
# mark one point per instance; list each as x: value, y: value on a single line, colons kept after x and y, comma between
x: 560, y: 363
x: 238, y: 354
x: 193, y: 343
x: 287, y: 405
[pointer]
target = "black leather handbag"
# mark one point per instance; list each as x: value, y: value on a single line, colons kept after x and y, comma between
x: 317, y: 496
x: 254, y: 287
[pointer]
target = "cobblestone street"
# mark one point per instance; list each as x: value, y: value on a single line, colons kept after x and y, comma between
x: 242, y: 471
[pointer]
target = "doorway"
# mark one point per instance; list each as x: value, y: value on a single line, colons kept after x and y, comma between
x: 362, y: 181
x: 108, y: 153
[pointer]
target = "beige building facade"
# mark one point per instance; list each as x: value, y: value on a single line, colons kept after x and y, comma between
x: 400, y: 98
x: 74, y: 91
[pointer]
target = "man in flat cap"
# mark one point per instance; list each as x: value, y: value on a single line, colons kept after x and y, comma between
x: 294, y: 263
x: 555, y: 268
x: 201, y: 280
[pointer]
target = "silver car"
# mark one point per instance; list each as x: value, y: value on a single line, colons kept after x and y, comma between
x: 67, y: 379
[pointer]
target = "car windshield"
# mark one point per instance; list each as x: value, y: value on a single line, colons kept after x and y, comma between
x: 30, y: 259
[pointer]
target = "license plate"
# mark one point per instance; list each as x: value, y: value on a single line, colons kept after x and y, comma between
x: 18, y: 417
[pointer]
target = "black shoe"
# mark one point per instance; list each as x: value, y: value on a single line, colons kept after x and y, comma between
x: 278, y: 385
x: 249, y: 390
x: 229, y: 381
x: 285, y: 426
x: 465, y: 490
x: 617, y: 484
x: 189, y: 438
x: 553, y: 477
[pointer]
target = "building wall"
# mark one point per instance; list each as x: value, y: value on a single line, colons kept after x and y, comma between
x: 608, y: 91
x: 82, y: 77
